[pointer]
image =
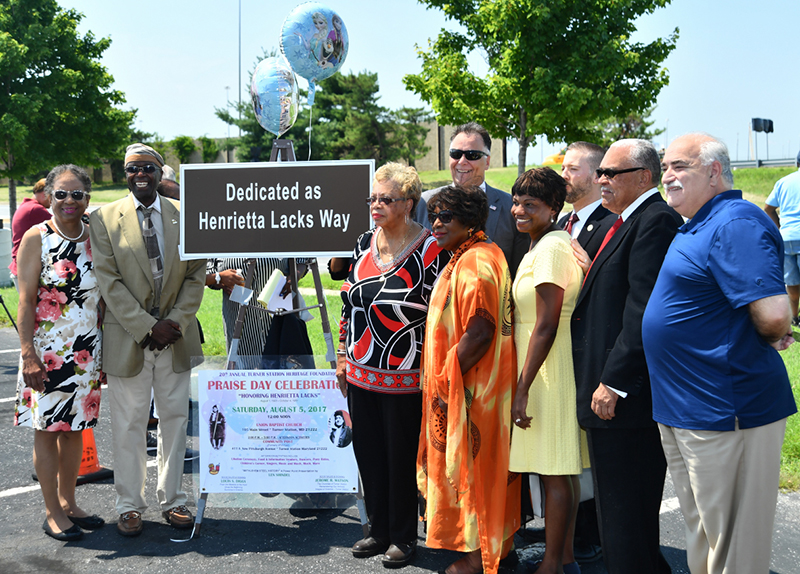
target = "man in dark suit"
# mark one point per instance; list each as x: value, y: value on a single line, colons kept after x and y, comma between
x: 589, y: 221
x: 470, y: 152
x: 614, y: 399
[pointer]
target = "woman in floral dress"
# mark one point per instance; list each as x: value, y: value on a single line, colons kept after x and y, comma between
x: 58, y: 388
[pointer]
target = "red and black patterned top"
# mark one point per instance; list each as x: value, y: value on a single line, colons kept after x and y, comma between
x: 384, y: 308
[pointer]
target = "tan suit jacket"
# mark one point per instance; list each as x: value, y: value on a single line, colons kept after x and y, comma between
x: 126, y: 283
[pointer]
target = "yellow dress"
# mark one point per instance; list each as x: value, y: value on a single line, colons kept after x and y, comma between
x: 554, y: 444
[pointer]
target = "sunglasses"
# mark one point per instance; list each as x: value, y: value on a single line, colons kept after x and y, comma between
x: 612, y: 173
x: 445, y: 216
x: 385, y: 200
x: 134, y: 169
x: 77, y: 195
x: 471, y: 154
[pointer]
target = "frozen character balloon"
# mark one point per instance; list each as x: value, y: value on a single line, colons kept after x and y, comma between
x: 273, y: 90
x: 315, y: 42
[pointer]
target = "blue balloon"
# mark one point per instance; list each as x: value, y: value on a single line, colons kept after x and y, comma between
x: 273, y: 90
x: 315, y: 42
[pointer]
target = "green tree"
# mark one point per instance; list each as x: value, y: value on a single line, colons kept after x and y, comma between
x: 210, y: 149
x: 56, y: 100
x: 410, y: 134
x: 555, y: 66
x: 183, y: 147
x: 630, y: 126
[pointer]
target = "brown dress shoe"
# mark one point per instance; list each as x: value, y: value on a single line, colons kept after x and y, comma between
x: 130, y: 523
x: 369, y: 546
x: 398, y: 555
x: 178, y: 517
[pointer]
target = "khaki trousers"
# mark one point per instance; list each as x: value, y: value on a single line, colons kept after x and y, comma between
x: 727, y: 486
x: 130, y: 406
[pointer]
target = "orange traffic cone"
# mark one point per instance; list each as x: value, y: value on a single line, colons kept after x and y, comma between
x: 90, y: 470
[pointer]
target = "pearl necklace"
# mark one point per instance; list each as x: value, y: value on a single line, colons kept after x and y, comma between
x: 67, y: 237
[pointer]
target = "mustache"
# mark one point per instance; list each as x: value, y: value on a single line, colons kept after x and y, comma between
x: 674, y: 185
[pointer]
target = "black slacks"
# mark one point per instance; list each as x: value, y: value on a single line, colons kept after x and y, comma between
x: 629, y: 470
x: 385, y: 441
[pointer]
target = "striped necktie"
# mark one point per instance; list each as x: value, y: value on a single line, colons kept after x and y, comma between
x: 154, y: 254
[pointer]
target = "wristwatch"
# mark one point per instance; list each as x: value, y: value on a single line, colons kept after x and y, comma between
x: 217, y: 278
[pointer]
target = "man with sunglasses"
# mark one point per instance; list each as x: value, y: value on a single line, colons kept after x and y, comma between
x: 470, y: 153
x: 613, y: 386
x: 150, y: 336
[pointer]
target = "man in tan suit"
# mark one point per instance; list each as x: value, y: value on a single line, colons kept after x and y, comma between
x: 150, y: 336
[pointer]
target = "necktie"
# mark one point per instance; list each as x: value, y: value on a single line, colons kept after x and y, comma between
x: 606, y: 239
x: 154, y: 254
x: 573, y: 219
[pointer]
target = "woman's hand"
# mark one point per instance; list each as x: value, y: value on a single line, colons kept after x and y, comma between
x: 580, y: 254
x: 34, y: 373
x: 518, y: 408
x: 341, y: 376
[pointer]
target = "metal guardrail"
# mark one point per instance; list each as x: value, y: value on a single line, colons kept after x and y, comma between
x: 791, y: 162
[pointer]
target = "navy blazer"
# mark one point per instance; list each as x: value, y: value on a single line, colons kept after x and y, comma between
x: 500, y: 225
x: 607, y: 321
x: 594, y: 229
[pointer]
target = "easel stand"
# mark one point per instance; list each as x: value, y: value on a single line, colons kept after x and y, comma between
x: 283, y: 150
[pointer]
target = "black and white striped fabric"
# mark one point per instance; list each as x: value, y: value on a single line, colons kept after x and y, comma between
x: 256, y: 322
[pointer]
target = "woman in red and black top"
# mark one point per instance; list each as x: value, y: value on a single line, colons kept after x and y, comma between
x: 385, y: 303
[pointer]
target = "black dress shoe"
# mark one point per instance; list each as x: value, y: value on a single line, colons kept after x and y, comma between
x: 92, y: 522
x: 398, y: 555
x: 369, y: 546
x: 72, y: 533
x: 588, y: 553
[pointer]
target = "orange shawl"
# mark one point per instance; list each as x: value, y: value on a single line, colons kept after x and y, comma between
x: 462, y: 466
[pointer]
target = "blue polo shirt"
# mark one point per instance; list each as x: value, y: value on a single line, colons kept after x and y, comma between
x: 708, y: 365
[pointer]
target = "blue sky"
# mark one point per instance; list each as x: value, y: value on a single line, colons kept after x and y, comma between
x: 174, y: 59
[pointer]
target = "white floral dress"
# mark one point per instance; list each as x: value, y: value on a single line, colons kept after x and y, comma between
x: 67, y: 339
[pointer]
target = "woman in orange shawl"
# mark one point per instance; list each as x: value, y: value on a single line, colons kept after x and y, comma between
x: 469, y: 370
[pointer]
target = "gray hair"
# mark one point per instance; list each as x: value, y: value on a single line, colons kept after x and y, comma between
x: 643, y: 153
x: 713, y: 150
x: 62, y: 169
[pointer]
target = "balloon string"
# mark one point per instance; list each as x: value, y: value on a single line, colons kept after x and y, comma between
x: 310, y: 114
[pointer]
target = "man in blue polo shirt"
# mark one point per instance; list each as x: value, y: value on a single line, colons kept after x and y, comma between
x: 716, y: 319
x: 785, y: 198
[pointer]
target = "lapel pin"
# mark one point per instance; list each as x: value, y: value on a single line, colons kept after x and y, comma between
x: 590, y: 227
x: 493, y: 207
x: 174, y: 222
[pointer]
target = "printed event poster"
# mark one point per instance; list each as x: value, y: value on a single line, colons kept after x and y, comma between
x: 274, y: 431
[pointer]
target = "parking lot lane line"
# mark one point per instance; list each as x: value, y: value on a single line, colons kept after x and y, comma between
x: 669, y: 505
x: 18, y: 490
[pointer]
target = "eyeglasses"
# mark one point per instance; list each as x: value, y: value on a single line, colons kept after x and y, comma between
x: 134, y: 169
x: 445, y: 216
x: 470, y: 154
x: 385, y: 200
x: 612, y: 173
x: 77, y: 195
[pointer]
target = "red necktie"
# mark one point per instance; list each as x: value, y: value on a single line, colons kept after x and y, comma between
x: 606, y: 239
x: 573, y: 219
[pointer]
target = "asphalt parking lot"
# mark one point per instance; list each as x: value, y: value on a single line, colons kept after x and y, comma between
x: 255, y: 539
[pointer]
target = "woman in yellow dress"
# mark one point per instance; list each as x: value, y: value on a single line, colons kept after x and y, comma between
x: 547, y: 438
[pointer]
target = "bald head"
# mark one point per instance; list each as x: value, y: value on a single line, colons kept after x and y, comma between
x: 696, y: 168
